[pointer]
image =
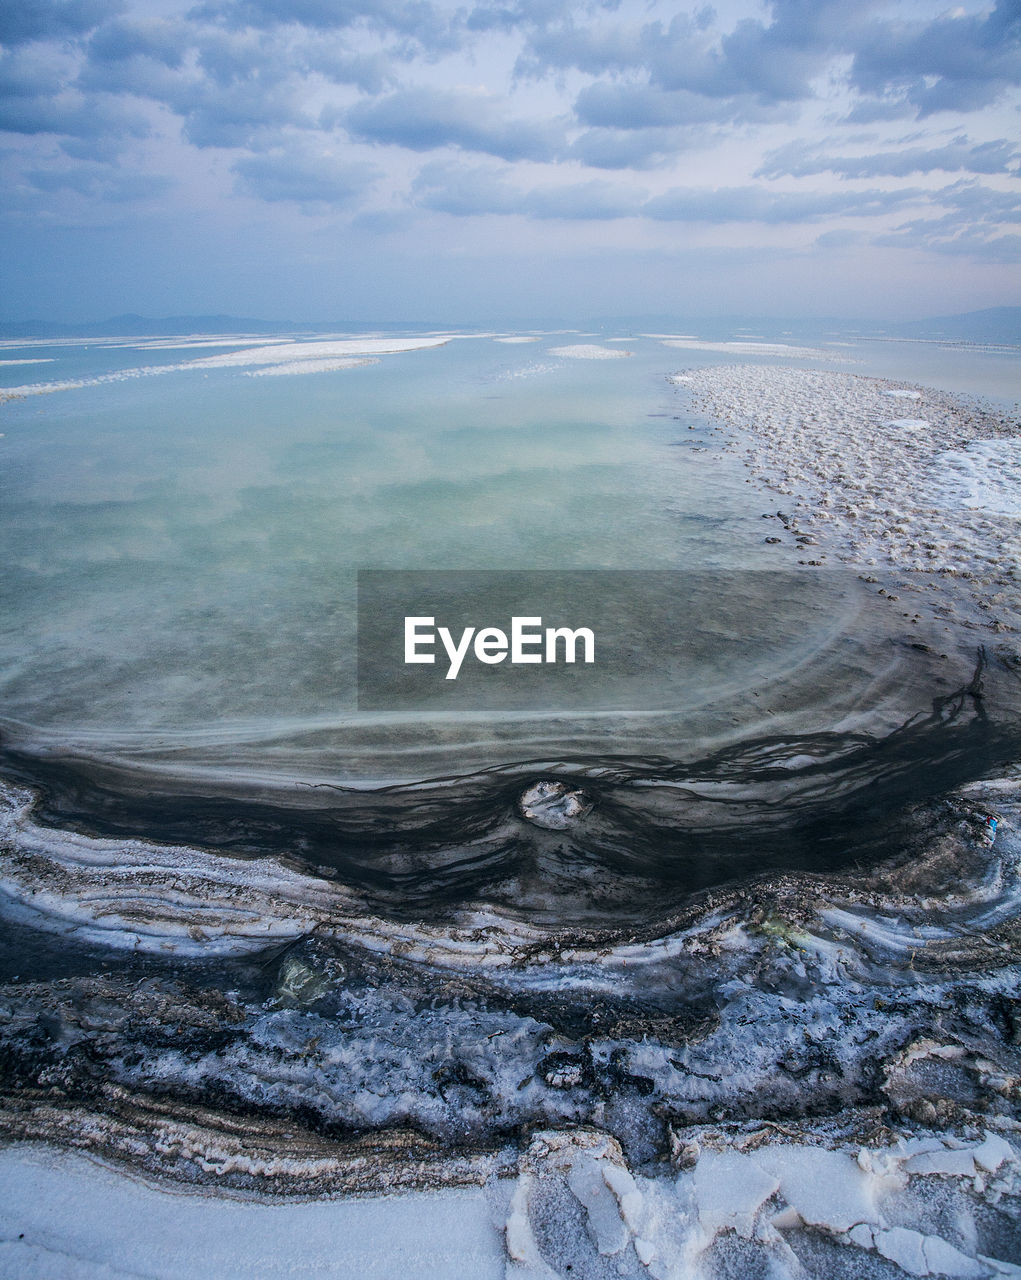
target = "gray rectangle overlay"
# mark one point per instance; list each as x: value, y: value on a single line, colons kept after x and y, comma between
x: 641, y: 640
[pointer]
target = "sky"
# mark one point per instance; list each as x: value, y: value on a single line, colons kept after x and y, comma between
x: 474, y: 162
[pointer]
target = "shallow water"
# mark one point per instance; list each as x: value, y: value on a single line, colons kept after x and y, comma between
x: 179, y: 640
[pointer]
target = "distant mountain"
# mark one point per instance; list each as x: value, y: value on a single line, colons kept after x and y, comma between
x: 134, y: 326
x: 994, y: 324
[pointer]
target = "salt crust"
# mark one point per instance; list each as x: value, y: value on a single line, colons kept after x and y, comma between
x: 291, y: 352
x: 302, y: 357
x: 312, y: 366
x: 758, y: 1187
x: 588, y: 351
x: 61, y: 1213
x: 782, y: 349
x: 938, y: 501
x: 985, y: 476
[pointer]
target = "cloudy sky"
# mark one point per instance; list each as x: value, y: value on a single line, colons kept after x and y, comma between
x: 476, y: 161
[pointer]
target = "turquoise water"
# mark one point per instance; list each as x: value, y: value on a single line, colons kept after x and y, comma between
x: 179, y: 549
x: 182, y: 548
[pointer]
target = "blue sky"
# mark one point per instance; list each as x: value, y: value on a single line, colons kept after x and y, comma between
x: 374, y: 159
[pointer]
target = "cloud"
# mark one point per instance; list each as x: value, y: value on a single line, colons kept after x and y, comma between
x: 758, y: 204
x: 449, y: 188
x: 962, y: 241
x: 467, y: 192
x: 873, y: 110
x: 977, y: 223
x: 28, y: 74
x: 101, y: 181
x: 157, y: 39
x: 370, y: 72
x: 585, y: 200
x: 296, y: 91
x: 593, y: 50
x: 629, y: 106
x: 426, y: 119
x: 773, y: 63
x: 797, y: 160
x: 417, y: 20
x: 306, y: 178
x: 956, y: 62
x: 21, y: 22
x: 980, y: 203
x: 842, y: 238
x: 385, y: 222
x: 602, y: 148
x: 227, y: 88
x: 520, y: 15
x: 237, y: 115
x: 73, y: 115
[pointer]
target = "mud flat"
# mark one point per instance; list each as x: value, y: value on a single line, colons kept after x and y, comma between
x: 885, y: 476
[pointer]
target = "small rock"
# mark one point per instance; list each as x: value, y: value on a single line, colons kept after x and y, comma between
x: 553, y: 805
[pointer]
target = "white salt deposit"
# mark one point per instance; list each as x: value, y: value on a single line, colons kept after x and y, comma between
x: 302, y: 357
x: 516, y: 339
x: 64, y: 1215
x: 753, y: 1189
x: 189, y: 344
x: 588, y: 351
x: 288, y: 352
x: 729, y: 1190
x: 38, y: 360
x: 75, y: 384
x: 825, y: 1188
x: 985, y: 476
x: 898, y: 497
x: 742, y: 348
x: 312, y: 366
